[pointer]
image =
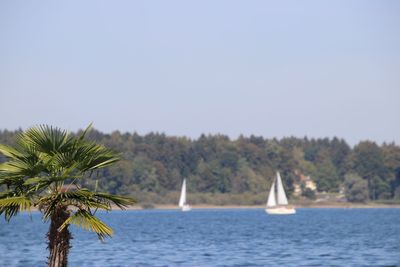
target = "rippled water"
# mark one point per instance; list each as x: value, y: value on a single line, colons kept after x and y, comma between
x: 312, y: 237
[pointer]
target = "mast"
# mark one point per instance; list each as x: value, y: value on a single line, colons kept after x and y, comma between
x: 281, y: 196
x: 182, y: 200
x: 271, y: 198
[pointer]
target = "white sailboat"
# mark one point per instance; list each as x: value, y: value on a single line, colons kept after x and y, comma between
x: 182, y: 200
x: 278, y: 203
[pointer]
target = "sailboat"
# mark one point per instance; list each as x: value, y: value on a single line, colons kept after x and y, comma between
x: 278, y: 203
x: 182, y: 200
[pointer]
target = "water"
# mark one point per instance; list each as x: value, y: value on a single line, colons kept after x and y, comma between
x: 312, y: 237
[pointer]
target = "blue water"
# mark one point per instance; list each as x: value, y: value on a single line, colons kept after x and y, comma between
x: 312, y: 237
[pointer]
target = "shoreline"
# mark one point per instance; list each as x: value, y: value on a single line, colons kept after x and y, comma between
x: 297, y: 206
x: 312, y: 206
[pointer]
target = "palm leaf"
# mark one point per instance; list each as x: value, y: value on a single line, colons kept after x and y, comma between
x: 48, y: 139
x: 22, y: 168
x: 120, y: 201
x: 83, y: 135
x: 23, y: 202
x: 87, y: 221
x: 96, y: 200
x: 33, y: 180
x: 10, y: 206
x: 10, y: 152
x: 93, y: 156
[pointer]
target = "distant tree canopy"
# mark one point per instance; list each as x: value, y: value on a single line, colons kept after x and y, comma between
x: 156, y: 164
x: 356, y: 188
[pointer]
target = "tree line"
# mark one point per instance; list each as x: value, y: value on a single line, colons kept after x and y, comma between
x: 153, y: 166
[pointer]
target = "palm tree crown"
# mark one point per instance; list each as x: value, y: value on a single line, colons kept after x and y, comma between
x: 45, y: 169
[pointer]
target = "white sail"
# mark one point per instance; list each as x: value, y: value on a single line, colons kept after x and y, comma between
x: 277, y: 202
x: 271, y: 198
x: 182, y: 200
x: 281, y: 196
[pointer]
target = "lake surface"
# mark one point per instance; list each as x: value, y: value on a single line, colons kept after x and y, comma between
x: 227, y: 237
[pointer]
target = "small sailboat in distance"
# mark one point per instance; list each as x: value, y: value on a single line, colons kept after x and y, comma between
x: 277, y: 202
x: 182, y: 200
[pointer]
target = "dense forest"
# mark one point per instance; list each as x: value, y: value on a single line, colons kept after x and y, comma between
x: 224, y: 171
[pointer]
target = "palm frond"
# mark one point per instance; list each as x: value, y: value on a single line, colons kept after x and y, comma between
x: 33, y: 180
x: 23, y: 168
x: 93, y: 156
x: 120, y: 201
x: 8, y: 167
x: 75, y: 197
x: 10, y: 206
x: 47, y: 139
x: 23, y: 202
x: 87, y: 221
x: 83, y: 135
x: 10, y: 152
x: 96, y: 199
x: 66, y: 159
x: 82, y: 198
x: 10, y: 179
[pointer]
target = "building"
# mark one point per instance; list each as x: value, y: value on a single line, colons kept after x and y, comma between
x: 302, y: 183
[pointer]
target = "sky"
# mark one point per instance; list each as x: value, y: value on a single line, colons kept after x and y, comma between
x: 267, y: 68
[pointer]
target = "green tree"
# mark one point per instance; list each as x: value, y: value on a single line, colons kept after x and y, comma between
x: 339, y: 152
x: 368, y: 162
x: 326, y: 176
x: 45, y: 169
x: 391, y: 155
x: 356, y: 188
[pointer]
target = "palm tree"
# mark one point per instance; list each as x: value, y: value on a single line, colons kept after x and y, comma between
x: 45, y: 169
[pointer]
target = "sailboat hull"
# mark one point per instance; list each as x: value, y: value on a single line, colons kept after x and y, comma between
x: 280, y: 211
x: 186, y: 208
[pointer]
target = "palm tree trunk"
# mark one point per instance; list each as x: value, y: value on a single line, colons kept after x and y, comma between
x: 59, y: 240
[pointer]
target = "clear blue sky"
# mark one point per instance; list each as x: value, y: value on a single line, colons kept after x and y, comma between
x: 270, y: 68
